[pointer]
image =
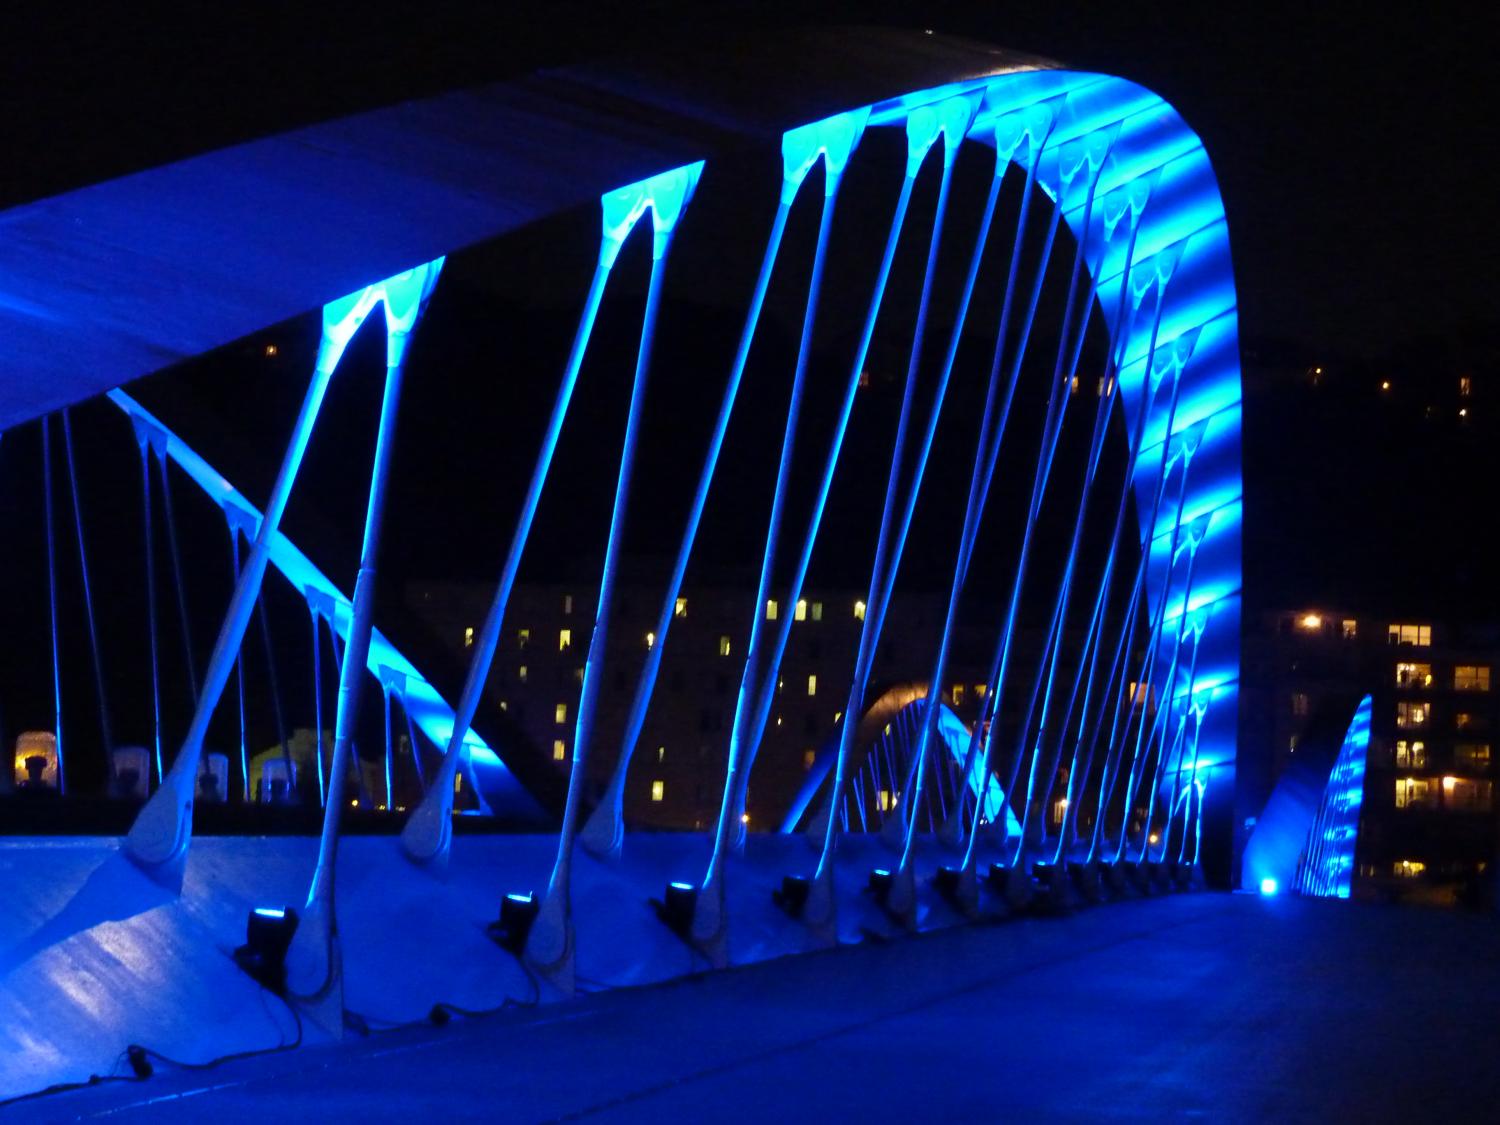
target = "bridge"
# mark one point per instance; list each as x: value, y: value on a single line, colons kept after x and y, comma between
x: 1091, y: 311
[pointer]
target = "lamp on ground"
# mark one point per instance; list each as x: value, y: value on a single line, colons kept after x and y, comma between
x: 880, y: 884
x: 268, y: 934
x: 676, y: 908
x: 517, y: 913
x: 792, y: 897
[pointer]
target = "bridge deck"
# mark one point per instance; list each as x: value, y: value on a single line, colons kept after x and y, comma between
x: 1229, y: 1007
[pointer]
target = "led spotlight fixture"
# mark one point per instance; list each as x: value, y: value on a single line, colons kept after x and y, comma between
x: 676, y: 908
x: 792, y: 896
x: 997, y: 875
x: 268, y: 935
x: 880, y: 884
x: 517, y: 913
x: 945, y: 879
x: 1268, y: 886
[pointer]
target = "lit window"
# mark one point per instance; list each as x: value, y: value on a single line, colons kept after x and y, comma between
x: 884, y: 802
x: 1472, y: 755
x: 564, y: 640
x: 661, y: 754
x: 658, y: 790
x: 1408, y: 868
x: 272, y: 349
x: 1074, y: 386
x: 1350, y: 628
x: 817, y: 611
x: 801, y: 611
x: 1301, y: 703
x: 468, y: 636
x: 859, y: 611
x: 1059, y: 810
x: 1310, y: 621
x: 1410, y: 715
x: 979, y: 690
x: 808, y: 758
x: 1409, y: 634
x: 1464, y: 794
x: 521, y: 673
x: 523, y: 638
x: 1465, y: 385
x: 567, y: 603
x: 561, y: 714
x: 812, y: 685
x: 958, y: 694
x: 1471, y: 677
x: 680, y: 610
x: 559, y: 750
x: 505, y: 705
x: 1413, y: 792
x: 771, y: 609
x: 650, y: 641
x: 724, y: 646
x: 1413, y: 675
x: 1467, y: 720
x: 1385, y: 384
x: 1411, y: 755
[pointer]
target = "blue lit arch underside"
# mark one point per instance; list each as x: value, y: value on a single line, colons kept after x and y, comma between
x: 1183, y: 218
x: 1326, y: 868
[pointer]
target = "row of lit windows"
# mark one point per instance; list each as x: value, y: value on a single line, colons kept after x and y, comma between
x: 1409, y: 635
x: 1466, y: 677
x: 1413, y: 754
x: 1463, y: 794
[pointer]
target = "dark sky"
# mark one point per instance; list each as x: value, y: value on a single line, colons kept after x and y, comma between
x: 1355, y: 147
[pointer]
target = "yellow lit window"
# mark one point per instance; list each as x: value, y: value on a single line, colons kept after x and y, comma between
x: 801, y: 611
x: 1471, y: 677
x: 958, y: 694
x: 564, y: 640
x: 521, y: 673
x: 1465, y: 794
x: 1465, y: 386
x: 808, y: 758
x: 505, y: 705
x: 1411, y: 755
x: 884, y: 802
x: 724, y: 646
x: 859, y: 611
x: 812, y: 685
x: 559, y: 750
x: 468, y: 636
x: 1409, y: 635
x: 1410, y: 715
x: 771, y: 609
x: 817, y: 611
x: 1412, y: 792
x: 1310, y: 621
x: 1413, y: 675
x: 680, y: 610
x: 523, y: 638
x: 658, y: 790
x: 1350, y: 628
x: 979, y: 690
x: 661, y: 754
x: 1074, y: 386
x: 650, y: 641
x: 1408, y: 868
x: 561, y: 713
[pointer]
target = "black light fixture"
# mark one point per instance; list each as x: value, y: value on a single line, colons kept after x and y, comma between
x: 268, y: 935
x: 677, y: 907
x: 997, y: 875
x: 517, y: 913
x: 792, y: 897
x: 945, y: 879
x: 880, y: 884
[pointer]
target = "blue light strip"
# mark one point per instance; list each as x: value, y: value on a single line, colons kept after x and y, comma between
x: 604, y: 833
x: 88, y: 596
x: 317, y: 685
x: 62, y: 784
x: 239, y: 675
x: 143, y: 442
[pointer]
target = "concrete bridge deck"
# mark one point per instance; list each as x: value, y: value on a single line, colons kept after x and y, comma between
x: 1210, y: 1006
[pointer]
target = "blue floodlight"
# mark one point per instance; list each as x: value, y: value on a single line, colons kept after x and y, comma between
x: 1268, y: 886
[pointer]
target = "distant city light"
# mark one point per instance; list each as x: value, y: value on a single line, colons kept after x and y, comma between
x: 1311, y: 621
x: 1268, y: 886
x: 1385, y: 384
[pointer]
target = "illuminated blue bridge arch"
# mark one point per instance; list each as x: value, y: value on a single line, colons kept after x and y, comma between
x: 1145, y: 724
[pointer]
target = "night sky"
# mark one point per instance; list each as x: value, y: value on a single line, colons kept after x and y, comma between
x: 1355, y: 156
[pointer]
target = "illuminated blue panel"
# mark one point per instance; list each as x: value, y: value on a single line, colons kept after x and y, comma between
x: 1327, y: 867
